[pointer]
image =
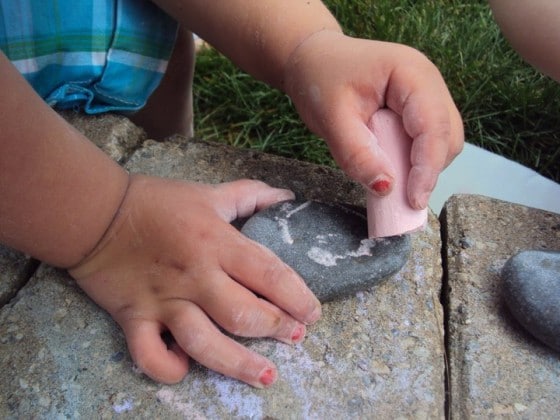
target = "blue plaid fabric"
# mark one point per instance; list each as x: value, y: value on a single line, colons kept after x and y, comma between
x: 94, y: 55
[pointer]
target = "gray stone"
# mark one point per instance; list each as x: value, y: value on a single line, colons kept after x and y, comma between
x: 326, y: 243
x: 210, y: 162
x: 114, y: 134
x: 532, y: 293
x: 373, y: 355
x: 496, y: 367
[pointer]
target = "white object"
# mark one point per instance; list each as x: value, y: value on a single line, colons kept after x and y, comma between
x: 392, y: 215
x: 478, y: 171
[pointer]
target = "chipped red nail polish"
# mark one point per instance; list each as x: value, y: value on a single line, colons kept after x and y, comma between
x: 381, y: 186
x: 268, y: 376
x: 298, y: 333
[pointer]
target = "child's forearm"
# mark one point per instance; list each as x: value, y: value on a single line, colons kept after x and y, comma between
x: 58, y: 192
x: 532, y: 29
x: 259, y: 36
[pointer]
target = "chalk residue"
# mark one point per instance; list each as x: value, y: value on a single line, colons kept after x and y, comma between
x: 328, y: 259
x: 178, y: 403
x: 322, y: 256
x: 124, y: 407
x: 285, y: 231
x: 324, y: 239
x: 236, y: 400
x: 298, y: 208
x: 283, y: 221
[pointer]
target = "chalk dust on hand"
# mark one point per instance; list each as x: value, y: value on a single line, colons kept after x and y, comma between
x: 392, y: 214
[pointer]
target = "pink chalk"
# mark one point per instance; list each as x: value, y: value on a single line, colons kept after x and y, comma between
x: 392, y: 214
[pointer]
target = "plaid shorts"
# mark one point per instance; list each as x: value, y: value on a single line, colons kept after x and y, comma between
x: 92, y: 55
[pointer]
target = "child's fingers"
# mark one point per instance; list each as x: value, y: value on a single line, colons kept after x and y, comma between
x: 151, y: 354
x: 356, y: 150
x: 242, y: 313
x: 202, y: 341
x: 418, y: 93
x: 438, y: 139
x: 265, y: 274
x: 244, y: 197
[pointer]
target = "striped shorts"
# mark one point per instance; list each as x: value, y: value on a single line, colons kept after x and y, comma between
x: 92, y: 55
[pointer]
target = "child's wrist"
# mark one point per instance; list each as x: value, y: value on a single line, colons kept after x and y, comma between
x: 97, y: 242
x: 291, y: 66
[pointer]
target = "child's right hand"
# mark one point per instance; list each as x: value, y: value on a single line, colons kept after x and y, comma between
x: 338, y: 83
x: 171, y: 262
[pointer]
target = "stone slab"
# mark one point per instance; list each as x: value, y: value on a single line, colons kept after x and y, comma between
x: 497, y: 368
x: 114, y: 134
x: 376, y: 354
x: 211, y: 162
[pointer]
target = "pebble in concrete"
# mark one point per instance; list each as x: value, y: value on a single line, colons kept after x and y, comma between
x: 327, y: 245
x: 372, y: 355
x: 532, y: 292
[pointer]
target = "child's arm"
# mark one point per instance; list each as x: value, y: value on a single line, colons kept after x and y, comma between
x: 160, y: 255
x: 337, y: 83
x: 533, y: 29
x: 50, y: 177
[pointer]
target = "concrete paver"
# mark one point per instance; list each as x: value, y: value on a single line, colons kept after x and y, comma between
x: 376, y: 354
x: 497, y: 368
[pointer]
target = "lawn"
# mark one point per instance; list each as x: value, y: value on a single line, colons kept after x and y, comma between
x: 507, y: 107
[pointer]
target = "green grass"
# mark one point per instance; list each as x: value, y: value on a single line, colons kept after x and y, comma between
x: 507, y: 107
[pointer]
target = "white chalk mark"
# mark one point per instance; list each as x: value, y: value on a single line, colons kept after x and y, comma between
x: 124, y: 407
x: 322, y: 256
x: 298, y: 208
x: 285, y: 231
x: 328, y: 259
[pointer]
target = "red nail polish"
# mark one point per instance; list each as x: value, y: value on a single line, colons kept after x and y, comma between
x: 298, y: 333
x: 381, y: 186
x: 268, y: 376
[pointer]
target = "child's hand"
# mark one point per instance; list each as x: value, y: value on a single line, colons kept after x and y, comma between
x: 337, y: 83
x: 171, y: 262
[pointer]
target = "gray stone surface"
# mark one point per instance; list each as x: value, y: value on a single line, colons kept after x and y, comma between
x: 15, y: 271
x: 328, y: 245
x: 372, y: 355
x: 201, y: 161
x: 532, y: 293
x: 497, y: 368
x: 114, y: 134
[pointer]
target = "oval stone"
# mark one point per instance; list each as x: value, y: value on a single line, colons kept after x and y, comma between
x: 328, y: 245
x: 532, y: 293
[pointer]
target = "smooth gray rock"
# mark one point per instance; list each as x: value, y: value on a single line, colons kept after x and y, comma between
x: 532, y: 292
x: 327, y: 245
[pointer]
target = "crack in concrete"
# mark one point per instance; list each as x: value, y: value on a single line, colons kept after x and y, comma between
x: 446, y: 312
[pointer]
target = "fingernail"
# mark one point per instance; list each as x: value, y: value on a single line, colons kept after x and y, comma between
x: 298, y: 334
x: 315, y: 315
x: 421, y: 201
x: 381, y: 185
x: 267, y: 377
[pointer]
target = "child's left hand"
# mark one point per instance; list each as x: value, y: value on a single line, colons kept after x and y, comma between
x: 171, y: 262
